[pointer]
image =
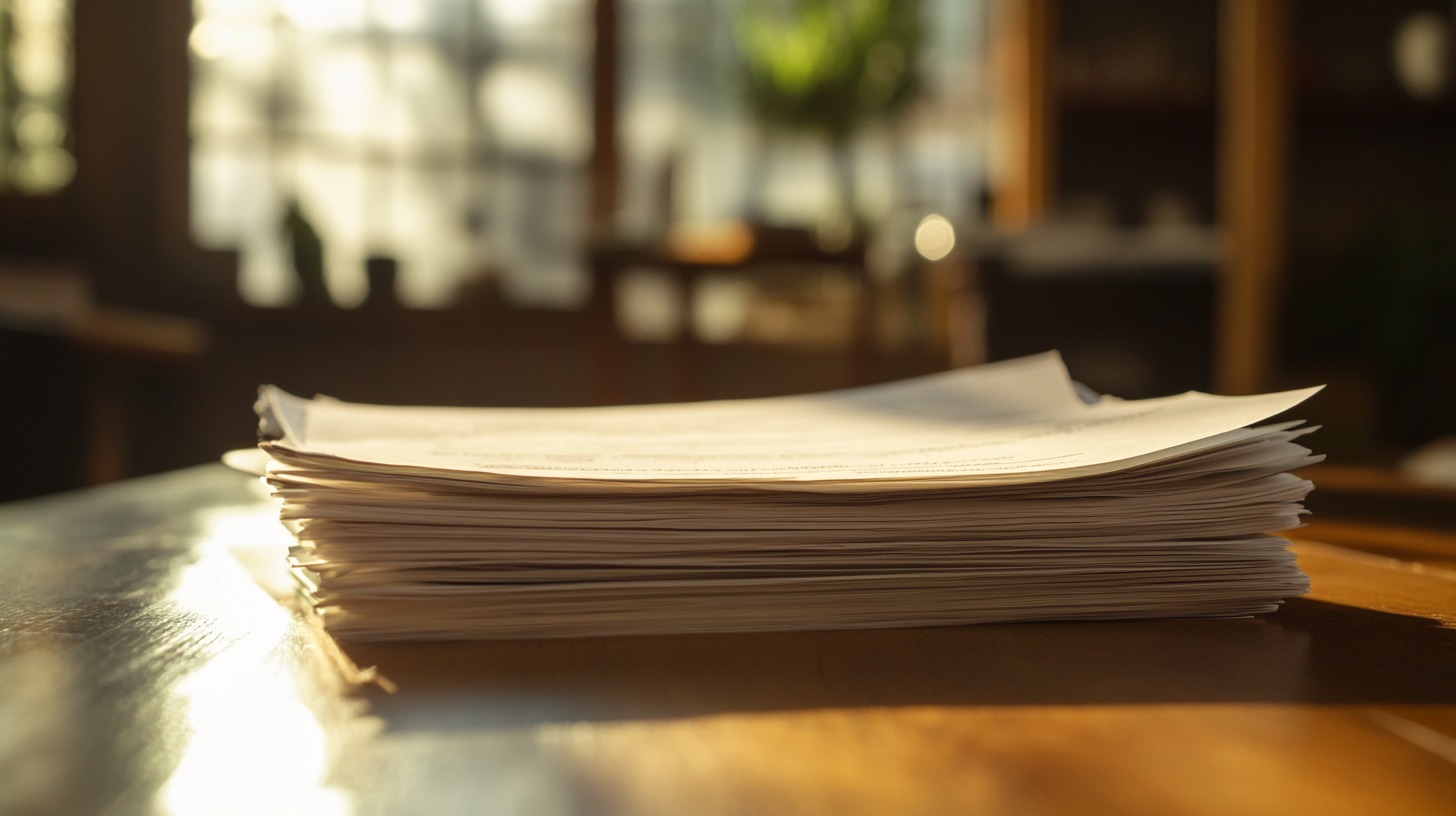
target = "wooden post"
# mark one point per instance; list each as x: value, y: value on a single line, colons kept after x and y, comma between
x: 1023, y: 46
x: 609, y: 368
x: 1253, y: 180
x: 605, y: 160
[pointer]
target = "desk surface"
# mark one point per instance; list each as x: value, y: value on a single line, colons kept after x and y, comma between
x: 145, y: 671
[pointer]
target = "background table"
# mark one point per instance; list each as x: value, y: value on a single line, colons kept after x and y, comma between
x: 142, y: 669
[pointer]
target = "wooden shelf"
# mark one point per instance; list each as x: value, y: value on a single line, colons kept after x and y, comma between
x: 1138, y: 104
x: 1392, y: 112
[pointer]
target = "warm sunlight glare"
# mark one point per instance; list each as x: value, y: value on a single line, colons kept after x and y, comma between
x: 255, y: 746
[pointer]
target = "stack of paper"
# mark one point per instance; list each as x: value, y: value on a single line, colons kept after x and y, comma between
x: 986, y: 494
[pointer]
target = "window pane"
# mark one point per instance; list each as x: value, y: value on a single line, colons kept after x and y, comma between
x: 329, y: 16
x: 429, y: 232
x: 234, y: 197
x: 234, y: 12
x: 336, y: 86
x: 35, y: 89
x: 437, y: 19
x: 386, y: 118
x: 426, y: 99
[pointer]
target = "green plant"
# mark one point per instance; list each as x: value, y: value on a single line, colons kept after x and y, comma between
x: 829, y: 66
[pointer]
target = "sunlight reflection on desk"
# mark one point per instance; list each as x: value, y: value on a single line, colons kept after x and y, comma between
x: 255, y: 746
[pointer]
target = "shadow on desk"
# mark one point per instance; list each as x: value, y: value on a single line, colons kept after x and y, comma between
x: 1309, y: 652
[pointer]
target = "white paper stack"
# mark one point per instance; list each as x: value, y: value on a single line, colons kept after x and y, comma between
x: 979, y: 495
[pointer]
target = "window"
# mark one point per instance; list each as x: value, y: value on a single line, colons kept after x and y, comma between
x: 35, y: 88
x: 451, y: 136
x: 691, y: 144
x: 454, y: 137
x: 695, y: 151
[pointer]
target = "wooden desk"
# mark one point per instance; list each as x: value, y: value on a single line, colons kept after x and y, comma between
x: 145, y: 671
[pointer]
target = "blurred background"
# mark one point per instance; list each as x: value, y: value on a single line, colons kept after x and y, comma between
x: 576, y: 202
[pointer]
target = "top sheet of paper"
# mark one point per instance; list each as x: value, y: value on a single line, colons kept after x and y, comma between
x: 1015, y: 421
